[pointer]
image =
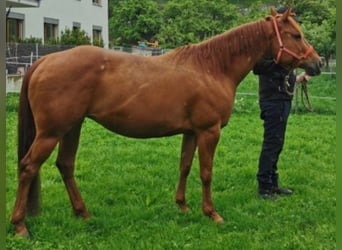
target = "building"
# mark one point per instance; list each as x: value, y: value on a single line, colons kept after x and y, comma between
x: 46, y: 19
x: 22, y: 3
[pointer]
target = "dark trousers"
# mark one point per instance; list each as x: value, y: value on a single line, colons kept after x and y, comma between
x: 275, y: 115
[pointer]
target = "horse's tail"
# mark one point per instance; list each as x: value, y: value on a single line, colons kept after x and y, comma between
x: 26, y: 135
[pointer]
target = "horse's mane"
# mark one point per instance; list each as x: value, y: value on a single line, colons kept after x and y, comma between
x: 220, y: 50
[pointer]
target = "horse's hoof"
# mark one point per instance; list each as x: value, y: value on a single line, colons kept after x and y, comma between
x: 86, y: 215
x: 183, y: 208
x: 219, y: 221
x: 82, y: 213
x: 217, y: 218
x: 24, y: 234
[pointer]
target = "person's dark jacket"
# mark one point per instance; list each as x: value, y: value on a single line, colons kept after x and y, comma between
x: 272, y: 82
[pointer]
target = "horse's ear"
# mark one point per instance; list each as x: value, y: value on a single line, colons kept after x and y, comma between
x: 286, y: 14
x: 273, y: 11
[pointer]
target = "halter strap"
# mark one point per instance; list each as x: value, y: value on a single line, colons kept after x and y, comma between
x: 290, y: 52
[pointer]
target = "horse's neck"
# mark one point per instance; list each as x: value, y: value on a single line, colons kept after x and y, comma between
x: 233, y: 53
x: 242, y: 48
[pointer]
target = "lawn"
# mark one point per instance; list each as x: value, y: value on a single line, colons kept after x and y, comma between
x: 129, y: 186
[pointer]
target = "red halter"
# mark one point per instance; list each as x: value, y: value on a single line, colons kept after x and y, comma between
x: 283, y: 49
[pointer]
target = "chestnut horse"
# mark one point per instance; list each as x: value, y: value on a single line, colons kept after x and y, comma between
x: 188, y: 91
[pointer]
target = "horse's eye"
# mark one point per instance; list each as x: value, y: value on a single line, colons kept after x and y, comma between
x: 296, y: 36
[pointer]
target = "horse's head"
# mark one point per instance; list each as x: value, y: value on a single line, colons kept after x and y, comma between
x: 289, y: 47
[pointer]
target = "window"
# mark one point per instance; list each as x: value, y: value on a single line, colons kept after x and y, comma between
x: 14, y: 30
x: 97, y: 2
x: 76, y: 26
x: 14, y: 27
x: 50, y: 29
x: 97, y: 35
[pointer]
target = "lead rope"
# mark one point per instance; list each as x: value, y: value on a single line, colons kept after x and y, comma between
x: 287, y: 85
x: 304, y: 92
x: 305, y: 95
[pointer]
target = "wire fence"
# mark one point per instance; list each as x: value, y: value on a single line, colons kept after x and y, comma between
x: 20, y: 56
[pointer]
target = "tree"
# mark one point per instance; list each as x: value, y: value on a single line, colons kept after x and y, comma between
x: 319, y: 25
x: 191, y: 21
x: 133, y: 20
x: 176, y: 23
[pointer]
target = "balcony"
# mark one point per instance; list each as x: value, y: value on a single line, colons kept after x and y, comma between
x: 22, y: 3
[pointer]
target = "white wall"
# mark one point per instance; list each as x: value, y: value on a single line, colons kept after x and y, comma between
x: 67, y: 12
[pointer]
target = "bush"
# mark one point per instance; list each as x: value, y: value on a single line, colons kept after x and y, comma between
x: 31, y: 40
x: 98, y: 42
x: 74, y: 37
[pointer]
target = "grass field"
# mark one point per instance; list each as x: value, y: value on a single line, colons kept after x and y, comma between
x: 129, y: 186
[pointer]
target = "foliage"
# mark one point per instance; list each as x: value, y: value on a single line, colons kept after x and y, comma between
x: 185, y: 22
x: 52, y: 41
x: 98, y: 43
x: 319, y: 25
x: 176, y: 23
x: 129, y: 186
x: 31, y: 40
x: 74, y: 37
x: 132, y: 21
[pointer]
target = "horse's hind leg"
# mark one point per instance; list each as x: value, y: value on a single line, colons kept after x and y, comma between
x: 40, y: 150
x: 66, y: 163
x: 187, y: 155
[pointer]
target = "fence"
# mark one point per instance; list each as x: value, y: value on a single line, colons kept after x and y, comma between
x: 20, y: 56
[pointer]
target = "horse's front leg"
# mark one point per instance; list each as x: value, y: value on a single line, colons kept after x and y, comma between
x: 207, y: 142
x: 187, y: 155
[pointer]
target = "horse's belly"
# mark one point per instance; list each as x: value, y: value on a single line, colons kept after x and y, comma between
x: 145, y: 125
x: 137, y: 130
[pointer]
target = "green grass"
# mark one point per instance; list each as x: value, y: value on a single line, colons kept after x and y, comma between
x: 129, y: 186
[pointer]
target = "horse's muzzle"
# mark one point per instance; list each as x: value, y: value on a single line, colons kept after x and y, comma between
x: 313, y: 68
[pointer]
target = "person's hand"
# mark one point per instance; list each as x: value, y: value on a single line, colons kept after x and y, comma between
x: 303, y: 78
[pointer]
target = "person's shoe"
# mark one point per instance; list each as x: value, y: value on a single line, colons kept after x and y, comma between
x: 267, y: 194
x: 282, y: 191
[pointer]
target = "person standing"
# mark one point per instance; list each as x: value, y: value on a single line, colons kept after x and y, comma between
x: 276, y: 87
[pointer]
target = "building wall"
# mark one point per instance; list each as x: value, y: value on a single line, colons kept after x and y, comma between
x: 68, y: 13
